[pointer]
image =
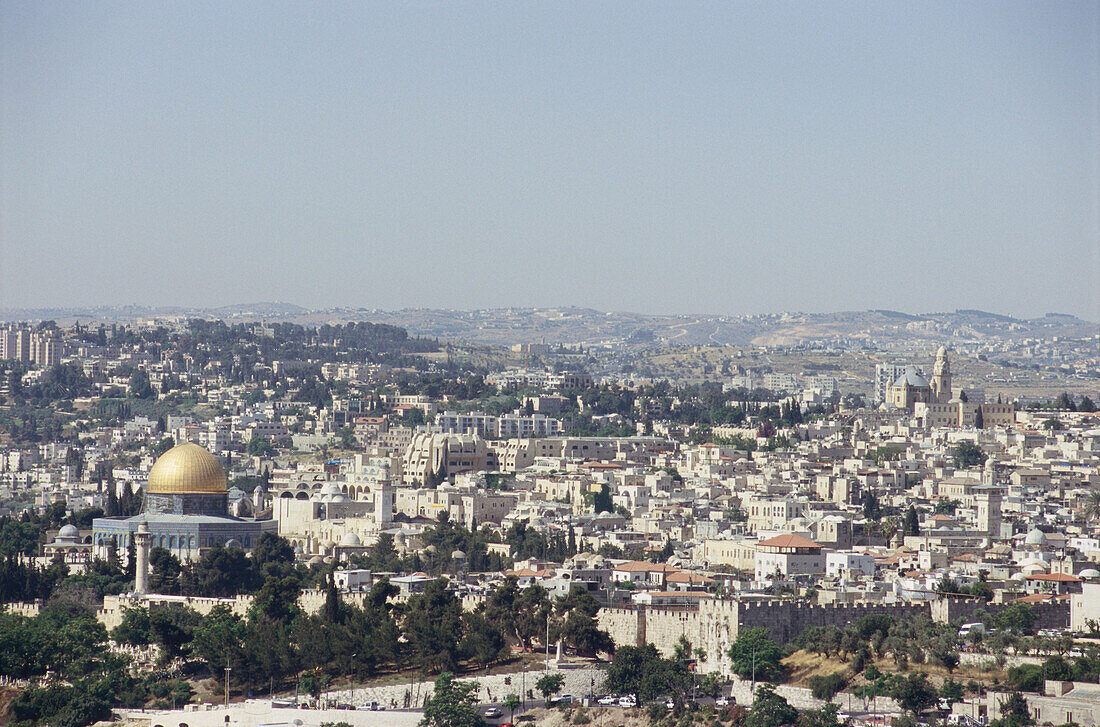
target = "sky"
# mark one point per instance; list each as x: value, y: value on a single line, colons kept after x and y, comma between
x: 672, y: 157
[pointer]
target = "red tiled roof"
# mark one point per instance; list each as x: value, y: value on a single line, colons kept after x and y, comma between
x: 1054, y: 577
x: 688, y: 578
x: 789, y: 540
x: 641, y: 566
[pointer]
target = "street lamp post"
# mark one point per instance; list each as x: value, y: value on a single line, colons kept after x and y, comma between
x: 227, y: 670
x: 548, y: 640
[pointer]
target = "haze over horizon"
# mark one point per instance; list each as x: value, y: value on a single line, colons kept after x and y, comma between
x: 666, y: 158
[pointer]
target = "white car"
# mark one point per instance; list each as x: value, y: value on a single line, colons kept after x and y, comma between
x: 493, y: 713
x: 608, y: 701
x: 628, y: 701
x: 722, y: 702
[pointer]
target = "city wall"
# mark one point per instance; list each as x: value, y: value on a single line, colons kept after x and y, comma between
x: 717, y: 622
x: 1048, y: 614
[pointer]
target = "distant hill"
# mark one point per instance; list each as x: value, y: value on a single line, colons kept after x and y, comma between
x: 570, y: 325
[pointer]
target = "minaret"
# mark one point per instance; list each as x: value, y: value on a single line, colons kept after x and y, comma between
x: 941, y: 377
x: 141, y: 568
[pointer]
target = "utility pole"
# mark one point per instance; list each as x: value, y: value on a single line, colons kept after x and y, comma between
x: 548, y: 639
x: 227, y: 670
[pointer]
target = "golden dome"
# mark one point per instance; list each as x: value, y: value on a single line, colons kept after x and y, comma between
x: 186, y: 467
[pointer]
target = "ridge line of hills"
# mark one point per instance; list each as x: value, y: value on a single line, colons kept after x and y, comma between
x: 578, y: 325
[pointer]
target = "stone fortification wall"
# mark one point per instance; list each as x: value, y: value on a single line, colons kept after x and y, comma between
x: 1048, y: 614
x: 23, y: 608
x: 715, y: 625
x: 787, y: 619
x: 665, y: 627
x: 717, y: 622
x: 627, y: 626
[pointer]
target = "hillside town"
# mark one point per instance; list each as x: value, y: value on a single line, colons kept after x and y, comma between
x: 294, y: 511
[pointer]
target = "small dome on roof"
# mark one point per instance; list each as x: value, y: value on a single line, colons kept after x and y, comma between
x: 68, y: 532
x: 458, y: 555
x: 1036, y: 537
x: 1089, y: 573
x: 331, y: 489
x: 316, y: 560
x: 351, y: 540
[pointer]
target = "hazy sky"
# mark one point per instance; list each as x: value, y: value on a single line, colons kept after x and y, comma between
x: 654, y: 157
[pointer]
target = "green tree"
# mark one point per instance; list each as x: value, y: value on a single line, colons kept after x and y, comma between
x: 259, y: 447
x: 135, y: 628
x: 912, y: 522
x: 872, y: 510
x: 967, y: 454
x: 140, y: 388
x: 1090, y: 510
x: 951, y: 691
x: 173, y: 629
x: 452, y: 704
x: 770, y: 709
x: 166, y: 569
x: 549, y: 683
x: 1014, y: 712
x: 346, y: 437
x: 914, y: 693
x: 219, y: 641
x: 512, y: 702
x: 221, y: 572
x: 484, y: 642
x: 601, y: 501
x: 824, y: 717
x: 640, y: 670
x: 826, y: 687
x: 433, y: 626
x: 755, y: 655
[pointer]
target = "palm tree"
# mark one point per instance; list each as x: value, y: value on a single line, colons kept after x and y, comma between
x: 1091, y: 509
x: 889, y: 528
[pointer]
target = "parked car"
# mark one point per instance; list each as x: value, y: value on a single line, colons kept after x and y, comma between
x: 493, y: 712
x: 722, y: 702
x: 628, y: 701
x: 607, y: 701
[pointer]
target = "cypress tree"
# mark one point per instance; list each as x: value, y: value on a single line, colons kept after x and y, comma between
x: 912, y: 524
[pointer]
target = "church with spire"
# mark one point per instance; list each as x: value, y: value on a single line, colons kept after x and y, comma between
x: 935, y: 402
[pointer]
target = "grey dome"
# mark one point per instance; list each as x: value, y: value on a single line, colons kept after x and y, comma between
x: 1036, y: 537
x: 911, y: 378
